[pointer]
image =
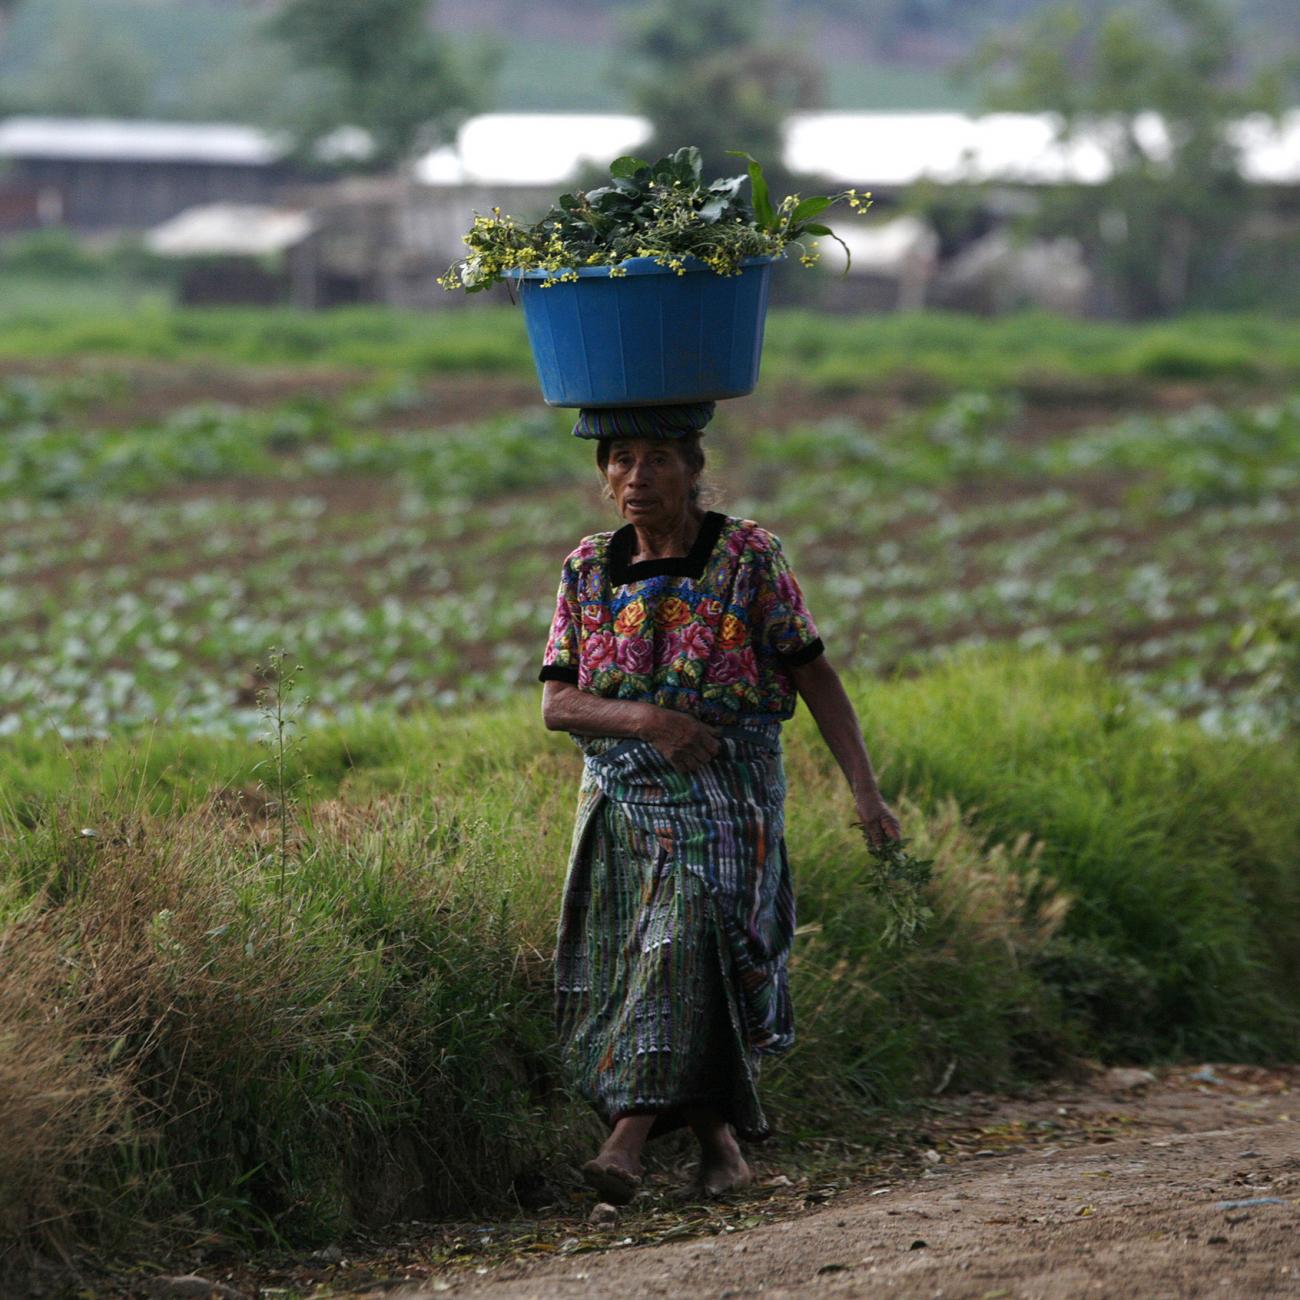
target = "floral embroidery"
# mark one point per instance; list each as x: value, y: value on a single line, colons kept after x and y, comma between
x: 734, y: 632
x: 673, y: 611
x: 630, y: 618
x: 720, y: 645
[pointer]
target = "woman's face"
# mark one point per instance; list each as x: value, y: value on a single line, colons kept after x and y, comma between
x: 650, y: 482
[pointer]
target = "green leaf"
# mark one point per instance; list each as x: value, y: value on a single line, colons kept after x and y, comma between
x: 817, y: 230
x: 763, y: 211
x: 626, y: 167
x: 688, y: 165
x: 810, y: 208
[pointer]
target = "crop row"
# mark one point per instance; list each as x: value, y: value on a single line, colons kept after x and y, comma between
x: 1204, y: 456
x: 1148, y: 544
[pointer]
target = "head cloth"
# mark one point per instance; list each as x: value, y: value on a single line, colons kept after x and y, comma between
x: 643, y: 421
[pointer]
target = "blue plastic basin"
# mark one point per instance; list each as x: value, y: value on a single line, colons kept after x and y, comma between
x: 648, y: 337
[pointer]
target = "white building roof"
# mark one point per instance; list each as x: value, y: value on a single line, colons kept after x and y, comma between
x: 861, y: 149
x: 895, y: 149
x: 531, y: 148
x: 549, y: 149
x: 881, y: 246
x: 127, y: 141
x: 1271, y: 149
x: 231, y: 230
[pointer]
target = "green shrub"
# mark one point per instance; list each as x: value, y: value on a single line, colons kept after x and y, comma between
x: 55, y: 252
x: 1179, y: 848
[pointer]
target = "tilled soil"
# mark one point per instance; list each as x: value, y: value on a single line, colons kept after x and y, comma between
x: 1158, y: 1212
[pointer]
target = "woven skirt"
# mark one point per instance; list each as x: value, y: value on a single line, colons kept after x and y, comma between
x: 648, y: 996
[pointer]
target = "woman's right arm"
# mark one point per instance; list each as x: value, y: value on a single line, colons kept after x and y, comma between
x: 682, y: 739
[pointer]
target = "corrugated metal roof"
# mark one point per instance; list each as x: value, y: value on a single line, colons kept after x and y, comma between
x: 230, y: 230
x: 123, y: 141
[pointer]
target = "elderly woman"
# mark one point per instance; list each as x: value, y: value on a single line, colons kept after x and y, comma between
x: 678, y: 645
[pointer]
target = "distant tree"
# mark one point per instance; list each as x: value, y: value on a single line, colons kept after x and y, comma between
x: 705, y: 73
x: 89, y: 71
x: 382, y: 68
x: 1165, y: 220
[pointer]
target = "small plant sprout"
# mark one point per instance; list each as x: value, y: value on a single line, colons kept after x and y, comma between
x: 898, y: 882
x: 280, y: 713
x: 663, y: 210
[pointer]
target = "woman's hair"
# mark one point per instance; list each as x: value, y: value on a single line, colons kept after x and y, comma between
x: 689, y: 447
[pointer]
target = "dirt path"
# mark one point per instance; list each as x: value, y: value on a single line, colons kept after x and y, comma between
x: 1055, y: 1205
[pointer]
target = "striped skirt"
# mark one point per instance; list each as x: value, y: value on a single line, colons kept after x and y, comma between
x: 675, y: 931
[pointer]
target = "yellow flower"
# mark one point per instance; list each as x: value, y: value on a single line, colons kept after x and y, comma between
x: 630, y: 618
x: 672, y: 612
x: 733, y: 632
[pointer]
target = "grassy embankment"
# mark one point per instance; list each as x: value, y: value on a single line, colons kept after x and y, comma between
x: 206, y: 1036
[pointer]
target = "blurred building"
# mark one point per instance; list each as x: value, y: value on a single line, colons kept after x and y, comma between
x: 242, y: 253
x: 387, y: 238
x: 95, y: 174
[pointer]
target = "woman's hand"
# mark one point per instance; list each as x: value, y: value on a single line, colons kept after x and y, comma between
x: 682, y: 739
x: 878, y: 821
x: 686, y: 742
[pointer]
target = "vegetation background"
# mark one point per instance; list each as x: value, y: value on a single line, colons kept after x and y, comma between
x: 214, y: 59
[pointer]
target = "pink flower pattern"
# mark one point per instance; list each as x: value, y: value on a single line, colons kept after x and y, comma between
x: 635, y: 654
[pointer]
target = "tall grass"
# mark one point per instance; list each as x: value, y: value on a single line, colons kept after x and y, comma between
x: 197, y: 1043
x: 1180, y: 850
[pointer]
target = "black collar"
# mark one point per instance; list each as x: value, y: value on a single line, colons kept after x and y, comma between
x: 622, y: 570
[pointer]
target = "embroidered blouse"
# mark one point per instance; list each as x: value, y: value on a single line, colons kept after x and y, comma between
x: 713, y: 633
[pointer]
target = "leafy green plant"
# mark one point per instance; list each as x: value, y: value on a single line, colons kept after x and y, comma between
x: 898, y: 881
x: 663, y: 210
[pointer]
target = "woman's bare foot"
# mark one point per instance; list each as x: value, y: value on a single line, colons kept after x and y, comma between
x: 722, y: 1166
x: 611, y: 1180
x: 720, y: 1173
x: 615, y: 1172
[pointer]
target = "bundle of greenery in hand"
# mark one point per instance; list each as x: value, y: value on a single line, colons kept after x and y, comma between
x: 662, y: 210
x: 898, y: 882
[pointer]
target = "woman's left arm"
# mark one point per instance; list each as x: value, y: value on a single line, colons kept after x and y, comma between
x: 822, y: 691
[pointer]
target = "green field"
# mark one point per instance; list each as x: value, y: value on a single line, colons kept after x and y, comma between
x: 169, y: 511
x: 1056, y: 561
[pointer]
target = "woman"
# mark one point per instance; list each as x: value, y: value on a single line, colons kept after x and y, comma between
x: 678, y: 647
